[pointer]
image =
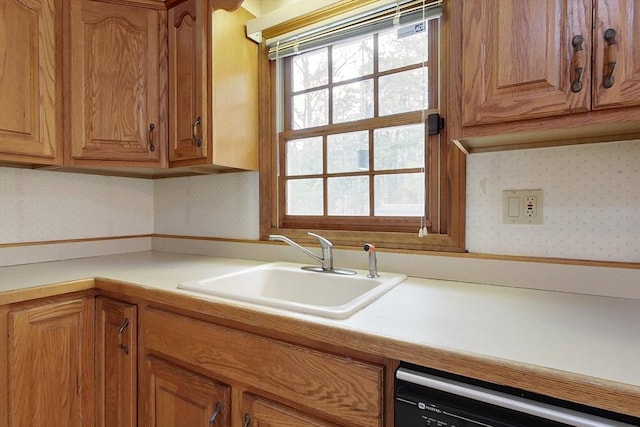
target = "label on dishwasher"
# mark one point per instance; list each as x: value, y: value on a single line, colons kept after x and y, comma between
x: 413, y: 411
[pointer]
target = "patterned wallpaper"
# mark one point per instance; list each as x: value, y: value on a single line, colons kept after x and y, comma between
x: 591, y: 201
x: 37, y: 205
x: 224, y: 205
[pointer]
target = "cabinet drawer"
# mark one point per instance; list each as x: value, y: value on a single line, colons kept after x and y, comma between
x: 347, y: 391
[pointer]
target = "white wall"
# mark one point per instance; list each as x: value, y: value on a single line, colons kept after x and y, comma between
x: 591, y: 192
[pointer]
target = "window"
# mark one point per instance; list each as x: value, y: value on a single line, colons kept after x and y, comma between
x: 349, y: 152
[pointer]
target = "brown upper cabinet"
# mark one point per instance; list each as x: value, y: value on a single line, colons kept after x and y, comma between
x: 571, y: 63
x: 31, y: 81
x: 213, y: 87
x: 116, y: 109
x: 616, y: 50
x: 125, y: 111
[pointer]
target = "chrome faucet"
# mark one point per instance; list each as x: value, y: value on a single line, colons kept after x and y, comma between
x: 373, y: 261
x: 327, y: 254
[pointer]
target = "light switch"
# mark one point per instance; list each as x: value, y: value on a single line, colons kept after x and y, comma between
x: 514, y: 207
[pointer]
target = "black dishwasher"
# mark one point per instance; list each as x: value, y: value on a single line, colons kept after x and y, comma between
x: 427, y: 398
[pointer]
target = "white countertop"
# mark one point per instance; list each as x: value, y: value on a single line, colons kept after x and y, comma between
x: 581, y: 334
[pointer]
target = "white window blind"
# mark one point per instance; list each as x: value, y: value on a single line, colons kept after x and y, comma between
x: 401, y: 12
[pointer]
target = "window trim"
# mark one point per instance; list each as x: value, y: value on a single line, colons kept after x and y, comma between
x: 450, y: 233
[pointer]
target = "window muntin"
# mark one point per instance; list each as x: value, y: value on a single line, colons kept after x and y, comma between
x: 363, y: 103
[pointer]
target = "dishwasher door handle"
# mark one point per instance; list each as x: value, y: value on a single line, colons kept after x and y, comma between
x: 507, y: 401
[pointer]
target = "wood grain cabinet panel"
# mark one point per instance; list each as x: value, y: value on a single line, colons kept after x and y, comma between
x: 31, y: 81
x: 527, y: 59
x: 116, y: 363
x: 188, y: 85
x: 51, y: 364
x: 319, y: 385
x: 517, y: 58
x: 178, y: 397
x: 116, y: 84
x: 259, y: 412
x: 623, y: 17
x: 213, y: 87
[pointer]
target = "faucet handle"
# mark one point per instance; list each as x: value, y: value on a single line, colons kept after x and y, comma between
x: 323, y: 242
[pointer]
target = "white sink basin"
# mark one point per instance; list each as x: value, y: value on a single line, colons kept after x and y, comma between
x: 287, y: 286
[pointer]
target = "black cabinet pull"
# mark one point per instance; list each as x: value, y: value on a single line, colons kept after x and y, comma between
x: 152, y: 145
x: 610, y: 54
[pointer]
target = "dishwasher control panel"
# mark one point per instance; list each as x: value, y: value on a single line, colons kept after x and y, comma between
x: 437, y: 399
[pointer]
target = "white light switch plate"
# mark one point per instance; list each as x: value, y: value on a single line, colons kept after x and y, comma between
x: 522, y: 207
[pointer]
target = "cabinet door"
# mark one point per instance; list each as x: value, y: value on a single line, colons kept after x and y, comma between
x: 116, y: 363
x: 115, y: 82
x: 259, y: 412
x: 213, y: 86
x: 51, y: 365
x: 188, y: 83
x: 182, y: 398
x: 619, y: 56
x: 518, y: 59
x: 344, y: 389
x: 30, y: 81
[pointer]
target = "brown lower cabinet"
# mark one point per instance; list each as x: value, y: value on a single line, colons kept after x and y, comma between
x: 116, y: 351
x: 254, y: 380
x: 179, y: 397
x: 84, y: 360
x: 258, y: 412
x: 50, y: 364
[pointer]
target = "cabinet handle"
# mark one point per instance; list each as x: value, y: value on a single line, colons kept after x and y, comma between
x: 610, y: 54
x: 213, y: 418
x: 247, y: 420
x: 120, y: 331
x: 578, y: 63
x: 194, y: 132
x: 152, y: 145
